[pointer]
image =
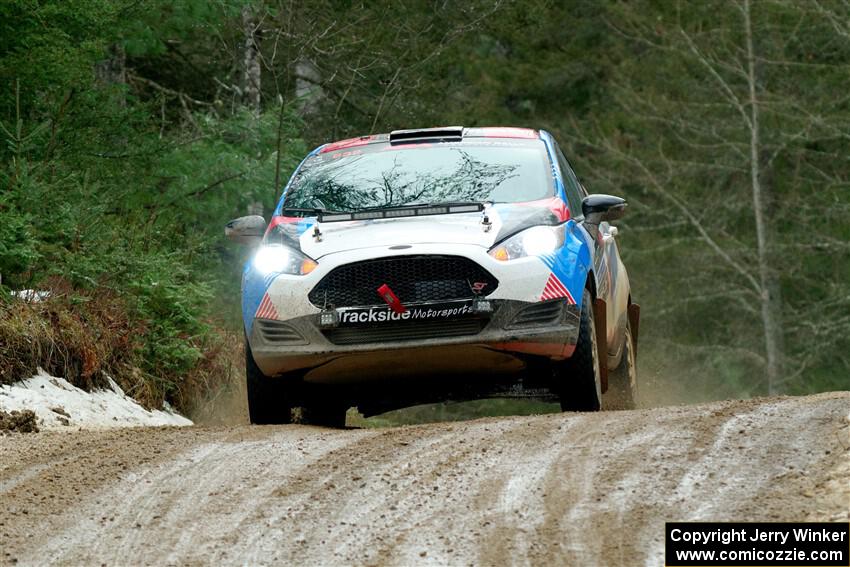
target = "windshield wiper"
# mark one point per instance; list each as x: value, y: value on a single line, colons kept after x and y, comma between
x: 424, y: 204
x: 308, y: 211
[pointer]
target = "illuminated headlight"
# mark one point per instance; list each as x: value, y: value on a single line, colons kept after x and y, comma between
x: 535, y: 241
x: 282, y: 260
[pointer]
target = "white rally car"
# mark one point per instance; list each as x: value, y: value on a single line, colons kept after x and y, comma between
x: 423, y: 264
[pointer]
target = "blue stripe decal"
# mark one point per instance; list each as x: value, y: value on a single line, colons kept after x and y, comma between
x: 571, y: 262
x: 556, y: 176
x: 254, y: 287
x: 305, y: 225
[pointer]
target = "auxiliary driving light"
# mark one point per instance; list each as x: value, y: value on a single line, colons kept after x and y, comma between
x: 328, y: 319
x: 482, y: 306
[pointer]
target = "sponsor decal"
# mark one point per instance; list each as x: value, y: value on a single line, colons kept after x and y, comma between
x: 421, y: 313
x: 478, y: 287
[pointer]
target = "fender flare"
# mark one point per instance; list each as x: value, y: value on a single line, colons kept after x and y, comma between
x: 634, y: 324
x: 600, y: 320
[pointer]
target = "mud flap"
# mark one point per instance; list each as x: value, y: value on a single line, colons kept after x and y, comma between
x: 634, y: 325
x: 600, y: 318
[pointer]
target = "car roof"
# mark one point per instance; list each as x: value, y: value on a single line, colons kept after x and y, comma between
x: 449, y: 133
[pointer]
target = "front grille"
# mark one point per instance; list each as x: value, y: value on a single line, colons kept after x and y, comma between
x: 414, y: 279
x: 405, y: 331
x: 279, y: 333
x: 544, y: 313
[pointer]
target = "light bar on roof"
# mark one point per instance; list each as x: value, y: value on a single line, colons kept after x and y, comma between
x: 402, y: 212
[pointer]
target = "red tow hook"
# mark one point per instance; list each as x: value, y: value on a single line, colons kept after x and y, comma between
x: 391, y: 298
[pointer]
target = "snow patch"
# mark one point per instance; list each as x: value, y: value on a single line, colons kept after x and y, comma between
x: 60, y: 405
x: 31, y: 295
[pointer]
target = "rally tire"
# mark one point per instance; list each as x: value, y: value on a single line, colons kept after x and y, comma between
x: 268, y: 403
x: 579, y: 378
x: 622, y: 381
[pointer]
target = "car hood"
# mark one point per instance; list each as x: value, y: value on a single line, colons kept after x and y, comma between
x: 458, y: 228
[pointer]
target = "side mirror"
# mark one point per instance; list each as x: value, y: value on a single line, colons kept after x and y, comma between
x: 602, y: 208
x: 246, y: 230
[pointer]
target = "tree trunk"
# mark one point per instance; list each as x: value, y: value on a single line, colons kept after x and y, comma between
x: 250, y: 61
x: 308, y: 91
x: 251, y: 85
x: 770, y: 298
x: 113, y: 70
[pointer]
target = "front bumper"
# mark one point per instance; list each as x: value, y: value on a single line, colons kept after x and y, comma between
x: 499, y: 341
x: 285, y: 334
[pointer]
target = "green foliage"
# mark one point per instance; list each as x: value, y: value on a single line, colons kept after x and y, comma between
x: 102, y: 192
x: 17, y: 245
x: 48, y: 48
x: 147, y: 226
x: 152, y: 27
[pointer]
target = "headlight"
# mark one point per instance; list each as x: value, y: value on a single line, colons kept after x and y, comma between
x: 282, y: 259
x: 535, y: 241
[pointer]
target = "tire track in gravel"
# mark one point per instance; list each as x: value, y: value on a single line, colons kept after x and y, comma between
x: 546, y: 490
x: 171, y: 501
x: 399, y: 477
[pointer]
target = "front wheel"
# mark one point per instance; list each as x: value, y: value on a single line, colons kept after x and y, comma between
x: 622, y: 381
x: 268, y: 402
x: 579, y: 379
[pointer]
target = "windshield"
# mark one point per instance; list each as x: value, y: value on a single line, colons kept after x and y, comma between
x: 380, y: 175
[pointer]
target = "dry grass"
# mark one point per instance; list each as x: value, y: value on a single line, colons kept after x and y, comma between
x: 85, y: 336
x: 18, y: 422
x: 81, y: 336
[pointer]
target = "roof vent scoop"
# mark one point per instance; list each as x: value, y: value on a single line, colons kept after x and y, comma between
x: 444, y: 134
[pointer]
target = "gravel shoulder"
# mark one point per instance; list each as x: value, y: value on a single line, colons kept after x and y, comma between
x: 546, y: 490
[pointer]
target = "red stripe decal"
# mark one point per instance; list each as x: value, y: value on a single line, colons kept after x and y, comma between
x: 266, y: 310
x: 555, y: 289
x: 349, y: 143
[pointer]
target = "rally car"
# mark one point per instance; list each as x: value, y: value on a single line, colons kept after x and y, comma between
x: 423, y: 264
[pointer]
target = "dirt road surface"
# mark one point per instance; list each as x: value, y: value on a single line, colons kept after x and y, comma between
x: 561, y: 489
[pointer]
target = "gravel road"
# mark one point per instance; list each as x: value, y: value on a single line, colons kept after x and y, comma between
x: 561, y: 489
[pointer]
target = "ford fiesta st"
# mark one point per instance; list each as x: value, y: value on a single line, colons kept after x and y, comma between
x: 424, y: 264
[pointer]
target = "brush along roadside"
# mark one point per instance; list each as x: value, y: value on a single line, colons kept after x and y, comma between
x: 87, y: 335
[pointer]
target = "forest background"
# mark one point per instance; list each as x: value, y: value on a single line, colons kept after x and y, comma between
x: 132, y: 130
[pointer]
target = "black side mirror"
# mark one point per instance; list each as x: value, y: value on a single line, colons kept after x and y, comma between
x: 602, y: 208
x: 246, y: 230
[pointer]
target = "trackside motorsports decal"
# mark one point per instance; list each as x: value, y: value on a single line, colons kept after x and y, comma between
x: 381, y: 314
